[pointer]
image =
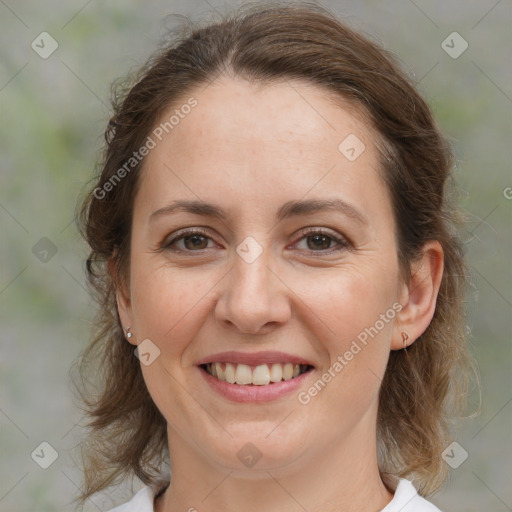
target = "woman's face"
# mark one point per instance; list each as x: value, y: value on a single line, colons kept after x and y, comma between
x: 274, y: 279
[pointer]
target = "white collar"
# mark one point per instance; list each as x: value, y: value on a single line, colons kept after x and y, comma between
x: 405, y: 499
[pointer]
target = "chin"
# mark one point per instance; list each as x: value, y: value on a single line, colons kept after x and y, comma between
x: 253, y: 455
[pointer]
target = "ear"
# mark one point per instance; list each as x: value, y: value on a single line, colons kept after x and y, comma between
x: 123, y: 300
x: 419, y: 296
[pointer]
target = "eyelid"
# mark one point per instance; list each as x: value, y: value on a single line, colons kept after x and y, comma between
x: 183, y: 233
x: 342, y: 241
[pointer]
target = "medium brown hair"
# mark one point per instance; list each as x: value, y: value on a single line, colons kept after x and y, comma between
x: 423, y: 386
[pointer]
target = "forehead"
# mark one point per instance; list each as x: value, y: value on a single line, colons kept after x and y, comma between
x: 279, y: 113
x: 244, y: 139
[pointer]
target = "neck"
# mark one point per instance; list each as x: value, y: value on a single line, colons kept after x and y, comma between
x: 345, y: 477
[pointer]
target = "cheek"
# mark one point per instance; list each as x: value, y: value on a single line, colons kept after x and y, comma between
x: 356, y: 351
x: 171, y: 303
x: 357, y: 311
x: 167, y: 301
x: 350, y: 299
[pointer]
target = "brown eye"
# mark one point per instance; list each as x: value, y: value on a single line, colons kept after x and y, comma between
x: 192, y: 241
x: 195, y: 242
x: 319, y: 242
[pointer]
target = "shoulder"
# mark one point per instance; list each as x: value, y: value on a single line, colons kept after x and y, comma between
x: 141, y: 502
x: 407, y: 499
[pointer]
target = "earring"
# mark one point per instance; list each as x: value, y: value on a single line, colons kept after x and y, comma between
x: 128, y: 333
x: 405, y: 337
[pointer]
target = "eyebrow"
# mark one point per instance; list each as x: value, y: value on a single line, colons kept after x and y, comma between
x: 288, y: 210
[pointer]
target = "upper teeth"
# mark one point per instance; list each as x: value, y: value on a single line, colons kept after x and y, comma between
x: 259, y: 375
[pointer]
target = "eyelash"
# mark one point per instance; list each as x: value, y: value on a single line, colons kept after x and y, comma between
x: 342, y: 242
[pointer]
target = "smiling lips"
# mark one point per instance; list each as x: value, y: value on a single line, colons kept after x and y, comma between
x: 260, y: 375
x: 257, y: 369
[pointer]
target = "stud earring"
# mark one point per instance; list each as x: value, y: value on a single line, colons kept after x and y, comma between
x: 405, y: 337
x: 128, y: 333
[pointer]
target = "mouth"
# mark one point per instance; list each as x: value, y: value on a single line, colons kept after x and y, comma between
x: 260, y: 375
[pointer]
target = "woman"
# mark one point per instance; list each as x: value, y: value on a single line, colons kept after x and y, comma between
x: 272, y: 237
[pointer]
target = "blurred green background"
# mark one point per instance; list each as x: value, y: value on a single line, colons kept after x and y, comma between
x: 53, y: 113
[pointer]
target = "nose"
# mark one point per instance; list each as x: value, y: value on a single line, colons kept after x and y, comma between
x: 253, y: 298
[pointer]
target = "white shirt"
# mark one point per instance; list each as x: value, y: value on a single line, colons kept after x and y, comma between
x: 406, y: 499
